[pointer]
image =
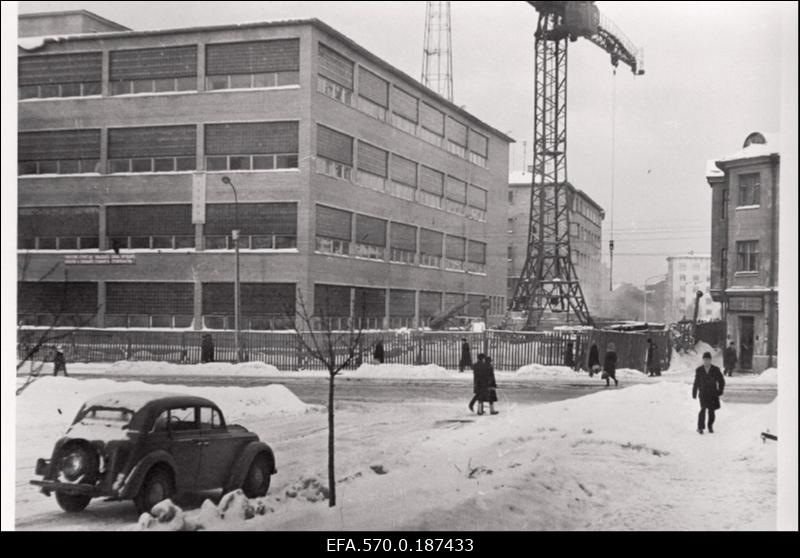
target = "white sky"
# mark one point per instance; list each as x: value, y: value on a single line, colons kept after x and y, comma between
x: 713, y: 73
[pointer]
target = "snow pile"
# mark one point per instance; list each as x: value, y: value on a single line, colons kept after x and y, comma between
x: 400, y: 371
x: 541, y: 371
x: 768, y: 376
x: 149, y: 368
x: 50, y: 404
x: 685, y: 364
x: 232, y: 509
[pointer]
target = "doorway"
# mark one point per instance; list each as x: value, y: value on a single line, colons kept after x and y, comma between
x: 746, y: 342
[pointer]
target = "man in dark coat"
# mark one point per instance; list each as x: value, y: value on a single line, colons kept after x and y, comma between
x: 729, y: 359
x: 60, y: 361
x: 466, y: 356
x: 594, y: 360
x: 610, y: 365
x: 485, y: 384
x: 569, y: 355
x: 709, y: 383
x: 652, y: 359
x: 378, y: 353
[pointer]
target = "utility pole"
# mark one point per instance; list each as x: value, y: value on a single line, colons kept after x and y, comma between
x: 236, y: 286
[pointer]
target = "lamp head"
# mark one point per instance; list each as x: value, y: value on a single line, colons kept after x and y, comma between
x: 226, y: 180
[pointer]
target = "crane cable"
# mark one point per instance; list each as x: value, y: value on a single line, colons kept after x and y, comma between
x: 613, y: 160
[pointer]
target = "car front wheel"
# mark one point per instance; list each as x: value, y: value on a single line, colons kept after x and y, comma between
x: 72, y: 503
x: 256, y: 483
x: 157, y: 486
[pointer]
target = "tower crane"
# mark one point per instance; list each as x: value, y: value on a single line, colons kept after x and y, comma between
x: 548, y: 281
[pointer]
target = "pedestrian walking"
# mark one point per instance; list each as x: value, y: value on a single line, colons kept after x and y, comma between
x: 466, y: 357
x: 207, y: 348
x: 709, y: 384
x: 485, y: 385
x: 59, y: 361
x: 610, y: 365
x: 729, y: 359
x: 481, y: 359
x: 653, y: 369
x: 594, y: 360
x: 378, y: 352
x: 569, y: 355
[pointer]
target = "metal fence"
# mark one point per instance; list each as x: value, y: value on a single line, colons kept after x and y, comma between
x: 509, y: 350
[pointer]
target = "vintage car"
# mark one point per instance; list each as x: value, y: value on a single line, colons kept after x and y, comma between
x: 149, y: 446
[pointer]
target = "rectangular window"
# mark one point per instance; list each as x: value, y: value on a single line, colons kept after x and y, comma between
x: 405, y: 106
x: 60, y: 75
x: 335, y: 67
x: 430, y: 247
x: 375, y: 90
x: 430, y: 304
x: 261, y: 225
x: 137, y: 149
x: 251, y: 145
x: 140, y: 304
x: 153, y: 69
x: 749, y: 189
x: 724, y: 205
x: 149, y: 226
x: 747, y: 255
x: 62, y: 228
x: 334, y: 230
x: 479, y: 145
x: 334, y: 146
x: 372, y: 160
x: 401, y: 303
x: 432, y: 124
x: 403, y: 243
x: 253, y: 64
x: 261, y: 303
x: 455, y: 252
x: 57, y: 303
x: 370, y: 239
x: 476, y: 256
x: 456, y: 132
x: 404, y: 171
x: 42, y: 152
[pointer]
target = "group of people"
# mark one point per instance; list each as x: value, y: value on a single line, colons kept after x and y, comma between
x: 484, y: 386
x: 609, y: 367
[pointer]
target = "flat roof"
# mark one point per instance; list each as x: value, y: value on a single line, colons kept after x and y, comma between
x: 322, y: 26
x: 86, y: 13
x: 523, y: 179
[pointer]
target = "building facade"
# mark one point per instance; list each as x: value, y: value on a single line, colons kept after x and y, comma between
x: 349, y: 182
x: 744, y: 245
x: 586, y: 221
x: 686, y: 275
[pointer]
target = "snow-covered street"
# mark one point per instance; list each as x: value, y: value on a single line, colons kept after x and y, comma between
x: 618, y: 459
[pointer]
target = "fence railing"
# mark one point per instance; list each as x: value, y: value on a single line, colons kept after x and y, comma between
x: 509, y: 350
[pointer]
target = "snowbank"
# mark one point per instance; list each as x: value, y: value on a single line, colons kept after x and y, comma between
x: 538, y: 371
x: 400, y: 371
x: 148, y: 368
x: 50, y: 403
x: 685, y: 364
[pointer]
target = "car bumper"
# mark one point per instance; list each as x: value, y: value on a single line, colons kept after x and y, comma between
x: 48, y: 486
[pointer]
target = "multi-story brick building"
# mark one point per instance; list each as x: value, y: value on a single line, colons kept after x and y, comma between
x: 687, y: 274
x: 141, y: 151
x: 586, y: 222
x: 744, y: 247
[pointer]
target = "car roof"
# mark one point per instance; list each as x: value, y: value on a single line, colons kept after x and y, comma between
x: 135, y: 400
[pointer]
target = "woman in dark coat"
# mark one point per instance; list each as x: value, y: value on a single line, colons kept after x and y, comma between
x: 594, y: 360
x: 485, y: 384
x: 610, y: 364
x: 652, y: 359
x: 466, y: 356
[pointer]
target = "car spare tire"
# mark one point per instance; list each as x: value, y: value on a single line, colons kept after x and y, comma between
x: 78, y: 463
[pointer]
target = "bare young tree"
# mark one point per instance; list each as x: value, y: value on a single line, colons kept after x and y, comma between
x: 334, y: 349
x: 32, y: 342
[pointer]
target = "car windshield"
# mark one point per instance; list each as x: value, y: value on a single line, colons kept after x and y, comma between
x: 108, y: 416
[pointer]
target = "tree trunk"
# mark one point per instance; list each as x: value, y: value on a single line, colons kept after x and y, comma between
x: 331, y: 477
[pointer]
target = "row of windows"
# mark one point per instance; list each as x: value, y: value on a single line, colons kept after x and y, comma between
x: 233, y: 146
x: 264, y: 305
x: 389, y: 103
x: 340, y: 156
x: 242, y: 65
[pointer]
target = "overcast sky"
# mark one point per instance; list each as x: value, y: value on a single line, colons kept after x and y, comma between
x: 713, y: 74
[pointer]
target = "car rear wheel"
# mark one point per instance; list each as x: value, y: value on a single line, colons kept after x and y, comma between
x: 157, y: 486
x: 256, y: 483
x: 72, y: 503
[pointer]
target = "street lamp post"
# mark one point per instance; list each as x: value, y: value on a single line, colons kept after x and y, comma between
x: 645, y: 293
x: 485, y: 305
x: 235, y: 237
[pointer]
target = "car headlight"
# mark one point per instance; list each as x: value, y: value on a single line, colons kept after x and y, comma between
x: 75, y: 465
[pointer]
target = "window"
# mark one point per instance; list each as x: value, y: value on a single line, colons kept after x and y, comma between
x: 370, y: 240
x: 511, y: 196
x: 456, y: 195
x: 403, y: 240
x: 335, y: 75
x: 456, y: 137
x: 152, y: 149
x: 747, y: 255
x: 405, y: 111
x: 724, y: 205
x: 431, y: 187
x: 478, y: 148
x: 749, y: 189
x: 75, y: 74
x: 430, y: 248
x: 510, y: 225
x: 404, y: 178
x: 57, y: 303
x: 262, y: 226
x: 454, y: 253
x: 476, y: 201
x: 167, y: 226
x: 432, y: 124
x: 372, y: 167
x: 58, y: 152
x: 153, y: 70
x: 264, y: 306
x: 510, y: 254
x: 251, y: 146
x: 183, y: 418
x: 476, y: 256
x: 133, y: 304
x: 253, y: 64
x: 373, y: 94
x: 334, y: 230
x: 57, y: 228
x: 334, y: 152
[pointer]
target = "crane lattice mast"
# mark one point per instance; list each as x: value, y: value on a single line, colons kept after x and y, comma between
x: 548, y: 281
x: 437, y: 53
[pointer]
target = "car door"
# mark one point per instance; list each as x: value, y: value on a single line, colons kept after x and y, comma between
x: 219, y: 449
x: 185, y: 446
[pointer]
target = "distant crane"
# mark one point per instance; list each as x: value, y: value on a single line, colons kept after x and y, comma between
x: 548, y: 281
x: 437, y: 52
